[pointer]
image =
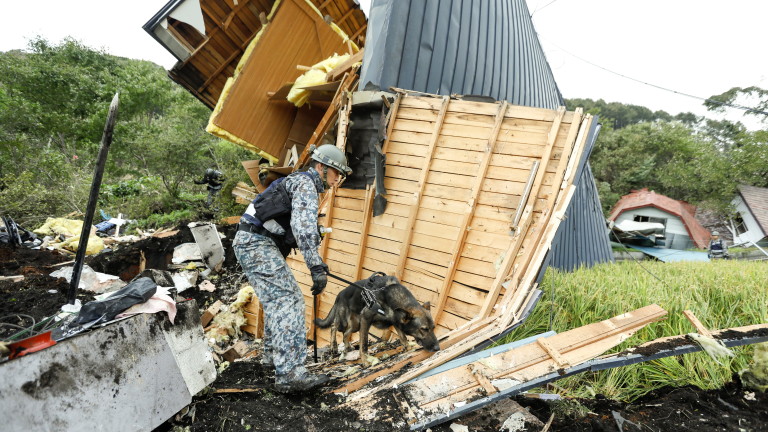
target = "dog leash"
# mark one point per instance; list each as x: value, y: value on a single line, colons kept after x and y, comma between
x: 368, y: 297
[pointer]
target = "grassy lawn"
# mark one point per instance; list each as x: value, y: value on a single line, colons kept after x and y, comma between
x: 721, y: 294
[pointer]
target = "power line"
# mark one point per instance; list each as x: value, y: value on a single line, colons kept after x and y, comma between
x: 540, y: 8
x: 731, y: 105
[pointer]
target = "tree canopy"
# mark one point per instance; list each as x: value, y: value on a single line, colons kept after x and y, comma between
x: 53, y: 104
x: 54, y: 98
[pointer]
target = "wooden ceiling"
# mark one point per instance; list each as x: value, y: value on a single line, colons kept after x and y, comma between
x: 230, y: 25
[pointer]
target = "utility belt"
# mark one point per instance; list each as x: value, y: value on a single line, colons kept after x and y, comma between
x: 280, y: 242
x: 251, y: 228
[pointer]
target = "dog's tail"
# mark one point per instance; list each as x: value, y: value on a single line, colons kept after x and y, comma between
x: 328, y: 320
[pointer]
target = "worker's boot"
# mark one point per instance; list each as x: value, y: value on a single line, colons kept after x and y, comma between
x: 299, y: 380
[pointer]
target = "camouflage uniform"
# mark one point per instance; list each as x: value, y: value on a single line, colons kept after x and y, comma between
x: 272, y: 280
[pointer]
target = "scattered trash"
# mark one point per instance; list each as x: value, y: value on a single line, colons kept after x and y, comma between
x: 711, y: 347
x: 91, y: 280
x: 184, y: 279
x: 206, y: 285
x: 621, y: 420
x: 65, y: 234
x: 227, y: 323
x: 210, y: 313
x: 98, y: 311
x: 514, y: 423
x: 755, y: 376
x: 209, y: 244
x: 161, y: 301
x: 186, y: 252
x: 455, y: 427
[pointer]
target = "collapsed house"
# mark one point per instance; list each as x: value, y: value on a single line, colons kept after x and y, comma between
x: 749, y: 225
x: 679, y: 227
x: 470, y: 176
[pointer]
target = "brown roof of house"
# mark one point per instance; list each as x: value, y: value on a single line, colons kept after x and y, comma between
x: 683, y: 210
x: 756, y: 199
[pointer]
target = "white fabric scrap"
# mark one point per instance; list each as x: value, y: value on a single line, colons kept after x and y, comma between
x: 711, y: 347
x: 160, y: 302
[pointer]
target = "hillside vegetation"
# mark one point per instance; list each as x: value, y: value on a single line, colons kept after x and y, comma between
x: 54, y: 99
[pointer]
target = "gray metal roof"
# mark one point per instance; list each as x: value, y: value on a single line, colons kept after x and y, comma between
x: 469, y: 47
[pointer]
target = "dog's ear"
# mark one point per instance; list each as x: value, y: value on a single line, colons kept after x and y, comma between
x: 403, y: 315
x: 427, y: 306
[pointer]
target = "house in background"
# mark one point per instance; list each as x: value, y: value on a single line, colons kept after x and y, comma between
x: 750, y: 225
x: 681, y: 229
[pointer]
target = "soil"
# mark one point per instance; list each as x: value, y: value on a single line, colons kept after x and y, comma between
x: 253, y: 405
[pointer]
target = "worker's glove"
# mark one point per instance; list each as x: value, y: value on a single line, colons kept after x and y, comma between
x: 319, y: 278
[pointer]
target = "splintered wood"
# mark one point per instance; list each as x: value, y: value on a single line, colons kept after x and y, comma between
x: 439, y: 395
x: 475, y: 192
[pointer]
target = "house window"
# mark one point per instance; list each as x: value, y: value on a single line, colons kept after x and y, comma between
x: 640, y: 218
x: 739, y: 225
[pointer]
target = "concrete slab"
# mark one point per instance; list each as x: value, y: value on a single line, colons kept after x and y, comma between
x: 130, y: 375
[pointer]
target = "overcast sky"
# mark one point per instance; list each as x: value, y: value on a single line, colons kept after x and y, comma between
x: 696, y: 47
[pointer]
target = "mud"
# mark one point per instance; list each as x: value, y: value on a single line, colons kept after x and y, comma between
x: 243, y: 397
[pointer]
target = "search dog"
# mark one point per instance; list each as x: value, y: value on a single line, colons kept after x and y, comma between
x: 401, y: 310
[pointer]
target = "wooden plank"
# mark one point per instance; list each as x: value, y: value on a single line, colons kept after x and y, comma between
x: 481, y: 379
x: 421, y: 183
x: 483, y: 108
x: 462, y: 235
x: 541, y: 240
x: 391, y: 116
x: 517, y: 241
x: 531, y: 361
x: 553, y: 352
x: 696, y: 323
x: 344, y: 66
x: 347, y: 84
x: 361, y: 252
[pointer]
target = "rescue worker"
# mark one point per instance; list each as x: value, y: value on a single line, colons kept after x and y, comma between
x: 717, y: 247
x: 214, y: 179
x: 279, y: 219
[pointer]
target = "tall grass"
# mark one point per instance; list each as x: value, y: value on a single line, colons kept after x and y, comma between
x: 722, y: 295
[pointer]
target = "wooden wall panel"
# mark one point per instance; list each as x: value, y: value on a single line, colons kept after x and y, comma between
x: 454, y: 245
x: 297, y: 35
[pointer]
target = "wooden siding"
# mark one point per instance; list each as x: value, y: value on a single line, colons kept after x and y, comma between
x: 455, y: 174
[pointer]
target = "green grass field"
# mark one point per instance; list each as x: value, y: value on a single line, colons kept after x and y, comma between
x: 721, y: 294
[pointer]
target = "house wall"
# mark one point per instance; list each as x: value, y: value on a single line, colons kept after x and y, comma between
x: 676, y: 235
x: 754, y: 233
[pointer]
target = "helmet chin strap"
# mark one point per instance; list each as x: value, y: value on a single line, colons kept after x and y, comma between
x: 325, y: 176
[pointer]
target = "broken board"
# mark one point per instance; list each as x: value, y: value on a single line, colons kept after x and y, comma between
x: 476, y: 192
